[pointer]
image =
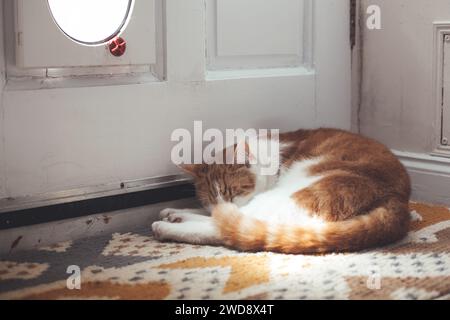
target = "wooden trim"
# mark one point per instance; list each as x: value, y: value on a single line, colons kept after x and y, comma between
x: 430, y: 177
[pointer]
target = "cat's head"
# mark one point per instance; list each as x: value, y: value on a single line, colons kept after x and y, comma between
x: 218, y: 183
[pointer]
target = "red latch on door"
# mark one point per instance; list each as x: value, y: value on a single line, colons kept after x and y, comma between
x: 117, y: 46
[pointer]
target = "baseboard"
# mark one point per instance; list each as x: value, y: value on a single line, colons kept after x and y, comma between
x: 430, y: 176
x: 91, y: 192
x: 94, y: 205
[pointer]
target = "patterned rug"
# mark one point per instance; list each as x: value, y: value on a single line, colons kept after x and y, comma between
x: 135, y: 266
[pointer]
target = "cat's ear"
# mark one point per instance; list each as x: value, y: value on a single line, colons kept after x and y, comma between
x: 191, y: 169
x: 243, y: 149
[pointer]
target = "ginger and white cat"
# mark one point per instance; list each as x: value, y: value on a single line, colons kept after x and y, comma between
x: 335, y: 191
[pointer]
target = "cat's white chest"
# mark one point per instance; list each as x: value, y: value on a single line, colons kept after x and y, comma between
x: 276, y: 205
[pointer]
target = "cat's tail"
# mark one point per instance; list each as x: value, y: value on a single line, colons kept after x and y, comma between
x: 383, y: 225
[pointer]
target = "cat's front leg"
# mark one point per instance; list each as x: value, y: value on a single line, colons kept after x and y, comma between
x: 183, y: 215
x: 193, y: 232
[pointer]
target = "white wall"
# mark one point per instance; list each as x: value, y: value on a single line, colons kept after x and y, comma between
x: 58, y: 139
x: 397, y: 96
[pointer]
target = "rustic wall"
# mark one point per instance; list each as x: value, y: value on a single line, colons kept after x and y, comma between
x: 397, y: 73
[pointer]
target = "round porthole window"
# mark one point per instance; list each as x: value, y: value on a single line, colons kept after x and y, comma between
x: 91, y: 22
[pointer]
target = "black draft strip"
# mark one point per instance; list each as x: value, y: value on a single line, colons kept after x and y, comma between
x: 21, y: 218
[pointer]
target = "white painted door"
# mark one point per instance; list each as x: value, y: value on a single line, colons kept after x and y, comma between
x: 281, y: 64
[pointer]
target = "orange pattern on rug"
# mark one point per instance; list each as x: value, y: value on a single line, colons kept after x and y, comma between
x: 134, y: 265
x: 107, y: 290
x: 245, y: 272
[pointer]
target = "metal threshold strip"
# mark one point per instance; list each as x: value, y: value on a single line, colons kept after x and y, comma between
x: 86, y: 201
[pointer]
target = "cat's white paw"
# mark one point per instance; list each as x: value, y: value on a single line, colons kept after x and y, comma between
x: 172, y: 215
x: 181, y: 215
x: 166, y: 212
x: 175, y: 218
x: 159, y: 229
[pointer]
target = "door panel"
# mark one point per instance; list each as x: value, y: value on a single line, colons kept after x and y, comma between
x: 255, y: 34
x: 59, y: 139
x: 253, y: 27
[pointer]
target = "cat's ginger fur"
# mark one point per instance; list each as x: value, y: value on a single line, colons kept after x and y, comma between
x: 357, y: 188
